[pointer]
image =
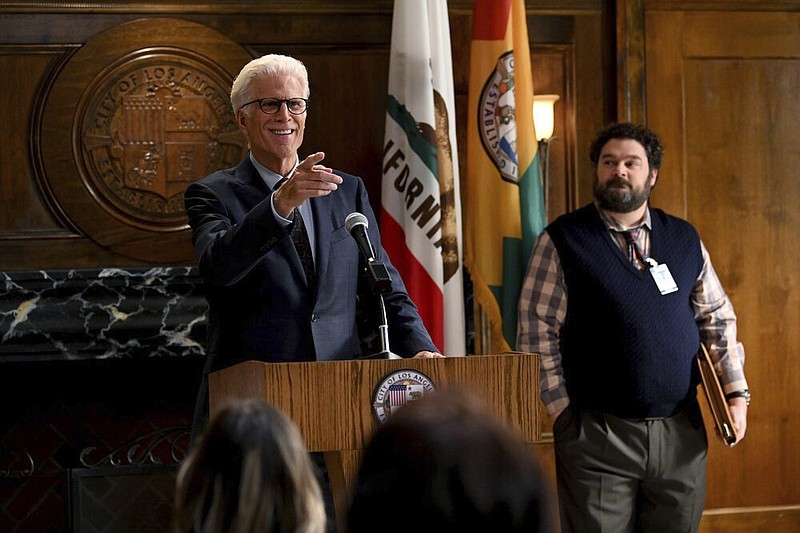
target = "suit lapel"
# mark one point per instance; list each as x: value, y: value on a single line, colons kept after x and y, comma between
x: 250, y: 183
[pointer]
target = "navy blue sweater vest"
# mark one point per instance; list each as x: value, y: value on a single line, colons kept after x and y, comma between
x: 627, y: 349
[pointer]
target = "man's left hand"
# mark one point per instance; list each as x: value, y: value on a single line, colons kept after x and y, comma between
x: 738, y: 407
x: 427, y: 355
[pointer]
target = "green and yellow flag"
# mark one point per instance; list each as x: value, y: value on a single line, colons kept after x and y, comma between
x: 504, y: 210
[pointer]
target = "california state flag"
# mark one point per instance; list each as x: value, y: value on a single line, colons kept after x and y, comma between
x: 421, y: 208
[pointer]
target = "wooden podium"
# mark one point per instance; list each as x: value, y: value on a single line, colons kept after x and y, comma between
x: 332, y: 402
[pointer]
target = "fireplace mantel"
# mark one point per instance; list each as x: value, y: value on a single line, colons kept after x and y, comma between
x: 101, y: 314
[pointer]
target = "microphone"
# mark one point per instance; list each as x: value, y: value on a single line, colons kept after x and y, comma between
x: 379, y: 279
x: 378, y: 275
x: 357, y: 225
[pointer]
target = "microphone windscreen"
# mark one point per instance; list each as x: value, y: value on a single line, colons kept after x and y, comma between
x: 355, y: 219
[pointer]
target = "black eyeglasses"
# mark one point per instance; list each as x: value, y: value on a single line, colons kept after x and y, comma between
x: 270, y: 106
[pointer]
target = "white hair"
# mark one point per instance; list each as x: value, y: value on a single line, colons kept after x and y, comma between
x: 264, y: 66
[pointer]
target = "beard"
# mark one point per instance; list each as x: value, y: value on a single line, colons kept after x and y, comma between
x: 619, y: 196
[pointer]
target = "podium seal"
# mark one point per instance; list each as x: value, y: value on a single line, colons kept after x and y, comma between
x: 396, y: 390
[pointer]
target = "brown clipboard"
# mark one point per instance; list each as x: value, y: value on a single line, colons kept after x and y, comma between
x: 717, y: 403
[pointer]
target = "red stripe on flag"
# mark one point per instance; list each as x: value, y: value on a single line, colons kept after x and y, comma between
x: 490, y: 19
x: 421, y: 287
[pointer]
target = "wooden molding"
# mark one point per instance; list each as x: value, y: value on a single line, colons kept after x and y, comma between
x: 775, y: 519
x: 631, y: 104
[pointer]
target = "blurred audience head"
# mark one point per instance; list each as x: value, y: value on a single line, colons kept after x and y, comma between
x: 249, y: 472
x: 445, y: 463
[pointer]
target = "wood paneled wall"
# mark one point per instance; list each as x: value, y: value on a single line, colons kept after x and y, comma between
x: 724, y: 98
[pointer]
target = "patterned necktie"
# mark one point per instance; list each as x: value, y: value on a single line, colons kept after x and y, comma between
x: 303, y: 247
x: 635, y: 252
x: 301, y: 242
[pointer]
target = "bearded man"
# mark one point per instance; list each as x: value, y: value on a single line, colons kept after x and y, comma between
x: 617, y: 298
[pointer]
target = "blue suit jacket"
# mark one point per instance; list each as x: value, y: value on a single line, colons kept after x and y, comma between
x: 260, y: 306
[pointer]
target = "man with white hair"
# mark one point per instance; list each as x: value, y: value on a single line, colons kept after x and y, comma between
x: 280, y: 268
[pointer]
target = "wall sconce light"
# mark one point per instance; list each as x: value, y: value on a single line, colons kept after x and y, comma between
x: 544, y: 124
x: 543, y: 115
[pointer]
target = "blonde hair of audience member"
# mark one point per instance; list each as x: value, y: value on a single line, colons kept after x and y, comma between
x: 250, y: 472
x: 445, y: 463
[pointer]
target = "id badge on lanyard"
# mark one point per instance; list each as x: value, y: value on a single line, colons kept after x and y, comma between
x: 662, y: 276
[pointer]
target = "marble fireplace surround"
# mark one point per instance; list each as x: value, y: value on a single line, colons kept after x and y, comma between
x: 101, y: 314
x: 98, y: 374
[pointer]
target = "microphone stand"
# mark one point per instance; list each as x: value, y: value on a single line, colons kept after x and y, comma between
x: 383, y: 331
x: 380, y: 282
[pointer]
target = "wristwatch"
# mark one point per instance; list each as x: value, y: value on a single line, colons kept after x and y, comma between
x: 739, y: 394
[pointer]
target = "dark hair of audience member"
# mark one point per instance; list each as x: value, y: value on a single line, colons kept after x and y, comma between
x: 445, y: 463
x: 250, y: 472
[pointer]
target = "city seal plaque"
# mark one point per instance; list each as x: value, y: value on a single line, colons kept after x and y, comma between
x: 147, y: 127
x: 397, y: 389
x: 127, y: 122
